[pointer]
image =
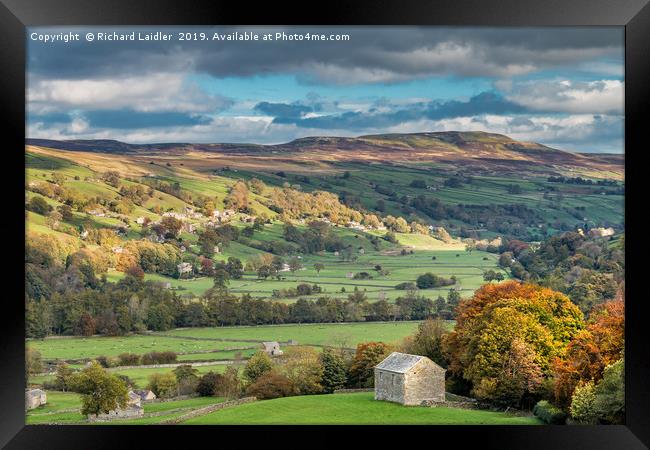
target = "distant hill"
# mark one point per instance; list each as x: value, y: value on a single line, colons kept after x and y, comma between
x: 477, y: 152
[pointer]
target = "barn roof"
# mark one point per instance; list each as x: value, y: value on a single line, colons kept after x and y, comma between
x: 399, y: 362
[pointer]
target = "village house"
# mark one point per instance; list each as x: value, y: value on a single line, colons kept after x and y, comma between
x: 184, y: 267
x: 272, y: 348
x: 133, y: 409
x: 35, y: 398
x: 139, y: 220
x: 601, y: 232
x: 409, y: 380
x: 118, y: 249
x: 175, y: 215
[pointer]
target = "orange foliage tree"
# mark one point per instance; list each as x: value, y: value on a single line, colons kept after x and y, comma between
x: 367, y: 356
x: 507, y: 336
x: 587, y: 355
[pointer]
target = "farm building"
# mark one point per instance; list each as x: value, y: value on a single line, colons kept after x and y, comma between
x: 272, y: 348
x: 601, y: 232
x: 35, y: 398
x: 409, y: 379
x: 184, y: 267
x: 133, y: 409
x: 145, y: 395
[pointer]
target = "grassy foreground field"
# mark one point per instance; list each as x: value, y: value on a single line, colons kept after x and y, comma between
x: 355, y: 408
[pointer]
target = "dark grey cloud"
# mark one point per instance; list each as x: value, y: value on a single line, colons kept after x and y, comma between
x: 124, y: 119
x: 484, y: 103
x: 380, y: 54
x: 129, y: 119
x: 286, y: 110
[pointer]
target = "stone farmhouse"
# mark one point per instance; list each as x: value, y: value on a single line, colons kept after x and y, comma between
x: 272, y: 348
x: 409, y: 380
x: 35, y: 398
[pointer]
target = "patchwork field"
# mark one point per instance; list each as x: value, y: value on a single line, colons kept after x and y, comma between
x: 336, y: 277
x: 351, y: 409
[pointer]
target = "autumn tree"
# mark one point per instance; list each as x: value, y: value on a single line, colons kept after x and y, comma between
x: 63, y: 377
x: 187, y: 378
x: 302, y: 366
x: 101, y: 391
x: 39, y: 205
x: 507, y: 336
x: 271, y: 384
x: 367, y: 356
x: 171, y: 226
x: 33, y: 362
x: 237, y: 198
x: 428, y: 341
x: 164, y: 385
x: 591, y: 350
x: 257, y: 365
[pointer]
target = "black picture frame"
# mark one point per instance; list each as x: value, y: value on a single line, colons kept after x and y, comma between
x: 15, y: 15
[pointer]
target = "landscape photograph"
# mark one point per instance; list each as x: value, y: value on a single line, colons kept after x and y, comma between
x: 324, y: 226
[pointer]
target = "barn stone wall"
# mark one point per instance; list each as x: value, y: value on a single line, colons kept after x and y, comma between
x: 125, y: 413
x: 424, y: 382
x: 389, y: 386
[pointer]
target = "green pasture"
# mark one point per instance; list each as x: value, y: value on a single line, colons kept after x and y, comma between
x: 347, y: 409
x: 66, y: 348
x: 334, y: 334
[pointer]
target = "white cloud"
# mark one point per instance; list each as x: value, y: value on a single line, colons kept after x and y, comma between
x: 157, y: 92
x: 603, y: 96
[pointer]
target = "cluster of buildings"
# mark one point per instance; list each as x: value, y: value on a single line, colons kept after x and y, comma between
x: 133, y: 408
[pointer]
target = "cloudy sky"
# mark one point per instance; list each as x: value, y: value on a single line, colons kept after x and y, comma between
x: 562, y: 87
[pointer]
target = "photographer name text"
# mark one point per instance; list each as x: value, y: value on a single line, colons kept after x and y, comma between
x: 114, y: 36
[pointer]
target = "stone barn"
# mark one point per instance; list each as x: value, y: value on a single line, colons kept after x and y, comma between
x: 272, y: 348
x: 409, y: 380
x: 35, y: 398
